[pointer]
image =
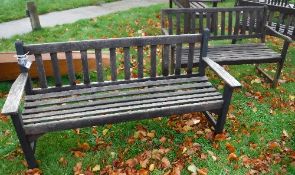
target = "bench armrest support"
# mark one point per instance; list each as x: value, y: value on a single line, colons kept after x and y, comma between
x: 12, y: 103
x: 222, y: 73
x: 278, y: 34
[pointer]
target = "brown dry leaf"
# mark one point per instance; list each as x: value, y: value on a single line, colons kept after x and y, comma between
x: 232, y: 157
x: 34, y: 171
x: 273, y: 145
x: 220, y: 137
x: 202, y: 171
x: 163, y: 139
x: 151, y: 134
x: 165, y: 162
x: 131, y: 163
x: 62, y: 161
x: 84, y: 146
x: 230, y: 148
x: 143, y: 172
x: 78, y: 154
x: 3, y: 118
x: 78, y: 168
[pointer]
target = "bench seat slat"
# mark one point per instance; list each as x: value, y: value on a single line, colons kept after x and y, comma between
x: 108, y: 87
x: 122, y: 117
x: 100, y: 95
x: 236, y: 54
x: 133, y: 105
x: 111, y: 103
x: 149, y: 99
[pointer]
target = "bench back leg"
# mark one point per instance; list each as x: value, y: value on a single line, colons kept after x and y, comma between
x: 25, y: 144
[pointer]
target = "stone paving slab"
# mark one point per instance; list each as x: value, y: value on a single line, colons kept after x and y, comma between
x: 21, y: 26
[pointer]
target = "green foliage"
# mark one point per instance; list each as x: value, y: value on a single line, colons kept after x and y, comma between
x: 15, y: 9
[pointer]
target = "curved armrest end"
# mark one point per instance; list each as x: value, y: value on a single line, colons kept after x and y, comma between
x: 12, y: 103
x: 222, y: 73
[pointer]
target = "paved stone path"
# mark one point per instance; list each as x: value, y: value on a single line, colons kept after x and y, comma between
x: 21, y: 26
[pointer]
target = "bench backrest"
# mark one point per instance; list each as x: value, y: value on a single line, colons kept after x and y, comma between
x: 188, y: 3
x: 281, y: 17
x: 128, y: 56
x: 224, y: 23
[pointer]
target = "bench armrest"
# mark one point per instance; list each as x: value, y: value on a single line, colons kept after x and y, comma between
x: 12, y: 103
x: 222, y: 73
x: 278, y: 34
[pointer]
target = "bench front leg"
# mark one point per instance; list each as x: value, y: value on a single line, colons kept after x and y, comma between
x: 227, y: 95
x: 27, y: 147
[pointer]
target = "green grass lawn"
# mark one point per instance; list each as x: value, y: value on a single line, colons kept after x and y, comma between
x: 15, y: 9
x: 260, y: 128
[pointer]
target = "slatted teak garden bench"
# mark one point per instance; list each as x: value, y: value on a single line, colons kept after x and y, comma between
x: 280, y: 18
x: 157, y: 91
x: 224, y: 26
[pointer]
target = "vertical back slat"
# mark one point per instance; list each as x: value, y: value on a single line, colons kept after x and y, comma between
x: 113, y: 64
x: 245, y: 21
x: 140, y: 61
x: 41, y: 71
x: 201, y: 22
x: 165, y: 60
x: 208, y: 16
x: 70, y: 67
x: 55, y: 69
x: 222, y: 23
x: 237, y: 24
x: 230, y: 22
x: 215, y: 23
x: 153, y: 61
x: 178, y: 59
x: 193, y: 27
x: 281, y: 19
x: 290, y: 19
x: 99, y: 68
x: 258, y: 21
x: 269, y: 18
x: 84, y: 60
x: 190, y: 58
x: 178, y: 24
x: 252, y: 22
x: 127, y: 63
x: 170, y: 24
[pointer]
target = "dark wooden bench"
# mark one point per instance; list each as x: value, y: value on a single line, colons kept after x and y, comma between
x: 280, y: 18
x: 227, y: 28
x: 192, y: 3
x: 101, y: 101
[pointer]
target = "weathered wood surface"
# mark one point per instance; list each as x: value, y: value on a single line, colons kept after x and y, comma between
x: 280, y: 17
x: 209, y: 18
x: 236, y: 54
x: 193, y: 3
x: 222, y: 73
x: 32, y: 13
x: 13, y: 101
x: 96, y: 103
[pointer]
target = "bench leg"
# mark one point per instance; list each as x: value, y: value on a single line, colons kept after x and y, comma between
x: 27, y: 148
x: 278, y: 74
x: 227, y: 95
